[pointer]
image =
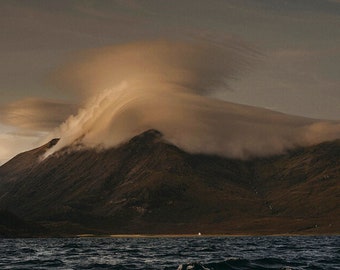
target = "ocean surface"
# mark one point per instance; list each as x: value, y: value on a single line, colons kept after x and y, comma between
x: 288, y: 252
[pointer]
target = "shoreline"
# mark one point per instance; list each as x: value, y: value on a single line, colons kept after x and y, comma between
x: 192, y: 235
x: 117, y: 236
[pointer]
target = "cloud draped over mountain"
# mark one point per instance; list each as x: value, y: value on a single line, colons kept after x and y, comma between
x: 166, y: 85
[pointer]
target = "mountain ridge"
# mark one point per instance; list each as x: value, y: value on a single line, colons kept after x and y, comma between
x: 148, y: 185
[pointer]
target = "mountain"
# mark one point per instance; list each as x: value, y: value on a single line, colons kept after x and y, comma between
x: 150, y: 186
x: 13, y: 226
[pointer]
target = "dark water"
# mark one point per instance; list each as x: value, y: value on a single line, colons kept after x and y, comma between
x: 172, y: 253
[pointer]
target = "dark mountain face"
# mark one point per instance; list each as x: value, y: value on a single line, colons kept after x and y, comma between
x: 13, y: 226
x: 21, y: 164
x: 149, y: 186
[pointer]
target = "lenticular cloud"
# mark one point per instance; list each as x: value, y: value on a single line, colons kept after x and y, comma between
x: 166, y: 86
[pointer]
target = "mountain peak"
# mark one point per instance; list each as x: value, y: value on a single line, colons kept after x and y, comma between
x: 24, y: 162
x: 149, y: 136
x: 52, y: 143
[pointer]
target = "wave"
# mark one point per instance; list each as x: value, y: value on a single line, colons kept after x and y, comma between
x: 238, y: 264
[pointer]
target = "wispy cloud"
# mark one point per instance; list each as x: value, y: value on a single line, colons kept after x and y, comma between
x: 36, y: 114
x: 166, y: 86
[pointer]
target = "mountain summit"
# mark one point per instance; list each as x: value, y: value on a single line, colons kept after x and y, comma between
x: 148, y: 185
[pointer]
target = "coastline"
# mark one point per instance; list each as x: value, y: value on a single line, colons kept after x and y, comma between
x: 195, y: 235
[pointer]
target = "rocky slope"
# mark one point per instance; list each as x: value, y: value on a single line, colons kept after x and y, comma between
x: 150, y: 186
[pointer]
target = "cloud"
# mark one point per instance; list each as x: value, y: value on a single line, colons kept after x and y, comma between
x: 167, y: 85
x: 195, y: 67
x: 24, y: 124
x: 36, y: 114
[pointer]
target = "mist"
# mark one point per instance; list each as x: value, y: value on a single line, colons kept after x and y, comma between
x: 168, y: 86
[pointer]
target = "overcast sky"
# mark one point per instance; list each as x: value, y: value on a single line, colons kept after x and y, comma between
x: 297, y: 71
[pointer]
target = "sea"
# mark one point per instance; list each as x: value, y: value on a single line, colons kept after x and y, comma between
x: 182, y: 253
